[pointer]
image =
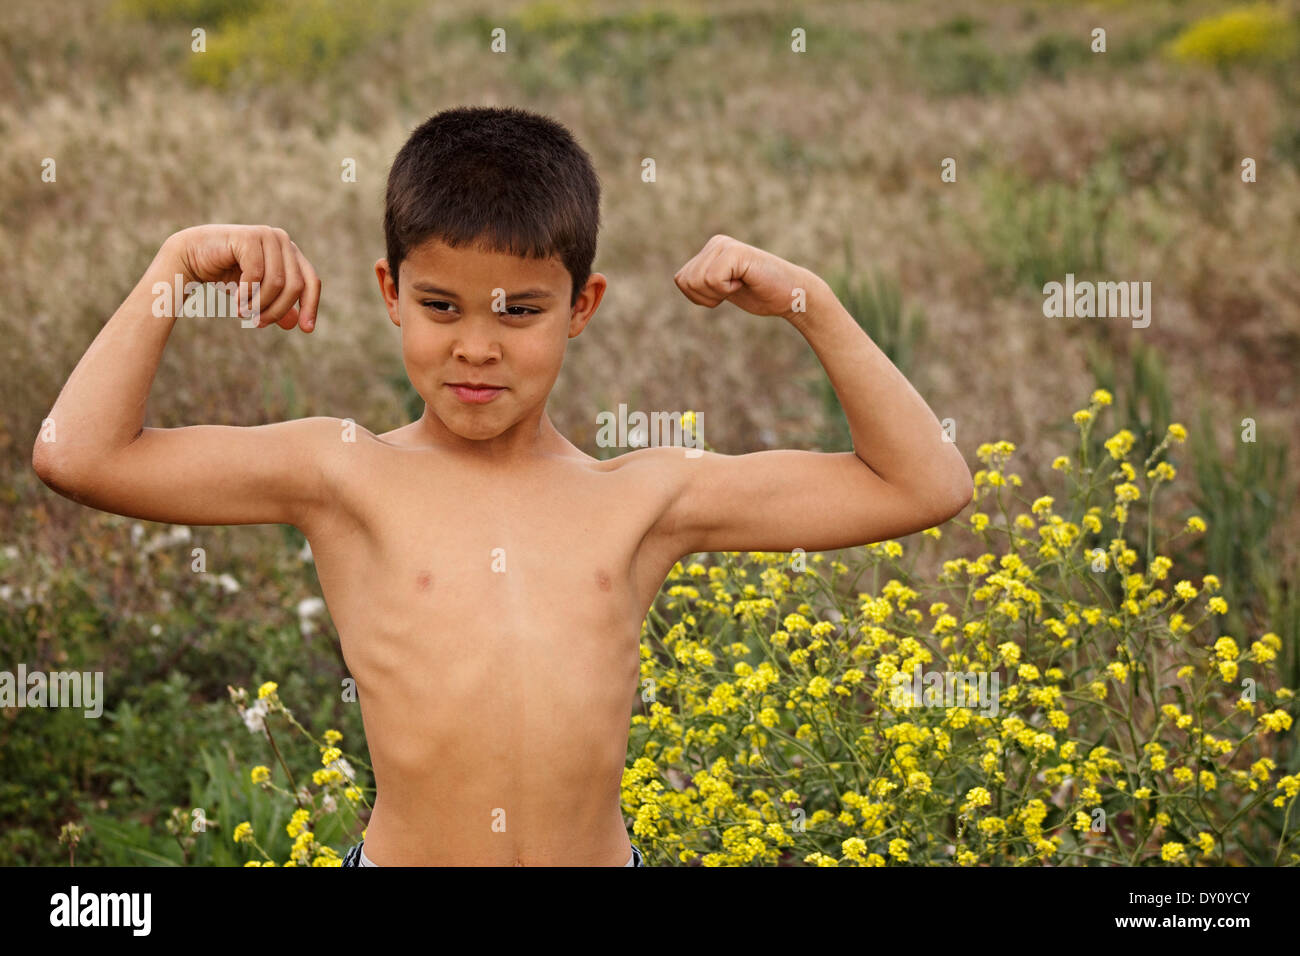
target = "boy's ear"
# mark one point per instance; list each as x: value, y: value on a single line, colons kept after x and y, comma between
x: 388, y: 289
x: 588, y: 300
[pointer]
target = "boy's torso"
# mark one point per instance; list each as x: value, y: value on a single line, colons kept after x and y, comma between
x: 491, y: 618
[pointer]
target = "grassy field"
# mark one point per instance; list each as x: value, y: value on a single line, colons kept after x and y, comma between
x: 1116, y: 165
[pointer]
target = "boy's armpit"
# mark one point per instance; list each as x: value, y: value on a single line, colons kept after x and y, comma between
x: 208, y: 474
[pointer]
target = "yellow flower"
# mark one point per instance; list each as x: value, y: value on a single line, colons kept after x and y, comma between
x: 1218, y: 605
x: 1060, y: 463
x: 329, y: 754
x: 1177, y: 432
x: 332, y: 736
x: 855, y: 848
x: 898, y: 850
x: 1082, y: 416
x: 260, y: 774
x: 1120, y: 444
x: 796, y: 622
x: 1173, y: 852
x: 1101, y: 397
x: 267, y: 689
x: 1277, y: 721
x: 1195, y: 524
x: 1163, y: 472
x: 243, y: 833
x: 297, y: 823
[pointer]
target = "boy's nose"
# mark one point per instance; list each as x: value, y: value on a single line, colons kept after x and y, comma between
x: 476, y: 349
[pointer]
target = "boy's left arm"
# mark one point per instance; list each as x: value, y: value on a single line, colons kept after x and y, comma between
x: 901, y: 477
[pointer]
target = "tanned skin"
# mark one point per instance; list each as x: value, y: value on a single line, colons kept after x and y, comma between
x: 487, y: 578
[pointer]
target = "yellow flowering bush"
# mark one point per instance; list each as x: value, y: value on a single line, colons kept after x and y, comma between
x: 1123, y: 727
x: 1261, y: 31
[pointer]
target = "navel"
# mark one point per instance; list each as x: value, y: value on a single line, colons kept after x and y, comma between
x: 602, y: 580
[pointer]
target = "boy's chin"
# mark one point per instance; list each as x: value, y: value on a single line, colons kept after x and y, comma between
x: 474, y: 427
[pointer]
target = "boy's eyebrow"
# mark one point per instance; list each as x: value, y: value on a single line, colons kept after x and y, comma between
x: 523, y: 294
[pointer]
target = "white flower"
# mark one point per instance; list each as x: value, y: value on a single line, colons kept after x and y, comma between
x: 343, y: 767
x: 255, y: 716
x: 329, y: 803
x: 137, y: 532
x: 156, y: 630
x: 305, y: 554
x: 11, y: 552
x: 229, y: 583
x: 308, y: 608
x: 24, y: 599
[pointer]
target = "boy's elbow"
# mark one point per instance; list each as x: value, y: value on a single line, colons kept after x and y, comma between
x: 43, y: 462
x: 956, y: 494
x: 53, y: 469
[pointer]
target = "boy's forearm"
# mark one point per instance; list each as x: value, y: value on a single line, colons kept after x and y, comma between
x: 101, y: 407
x: 894, y: 431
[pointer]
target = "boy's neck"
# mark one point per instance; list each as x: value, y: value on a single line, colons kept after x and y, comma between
x: 533, y: 436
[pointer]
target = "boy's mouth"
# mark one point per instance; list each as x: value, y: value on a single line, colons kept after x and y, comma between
x: 475, y: 393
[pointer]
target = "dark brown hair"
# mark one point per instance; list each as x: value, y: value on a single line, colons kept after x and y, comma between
x: 503, y: 177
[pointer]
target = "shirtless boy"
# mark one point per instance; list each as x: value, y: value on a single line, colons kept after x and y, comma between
x: 487, y: 578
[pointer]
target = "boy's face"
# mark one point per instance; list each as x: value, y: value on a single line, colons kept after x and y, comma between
x: 452, y: 336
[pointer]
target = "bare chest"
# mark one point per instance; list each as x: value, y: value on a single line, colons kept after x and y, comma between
x: 439, y: 563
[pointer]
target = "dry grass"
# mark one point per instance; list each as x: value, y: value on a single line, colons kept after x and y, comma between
x: 798, y: 154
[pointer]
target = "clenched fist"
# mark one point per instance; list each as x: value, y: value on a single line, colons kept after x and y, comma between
x: 728, y: 270
x: 287, y: 287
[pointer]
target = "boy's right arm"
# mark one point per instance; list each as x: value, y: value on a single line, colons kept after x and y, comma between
x: 94, y: 448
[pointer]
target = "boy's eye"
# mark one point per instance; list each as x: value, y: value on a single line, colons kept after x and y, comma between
x: 445, y: 307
